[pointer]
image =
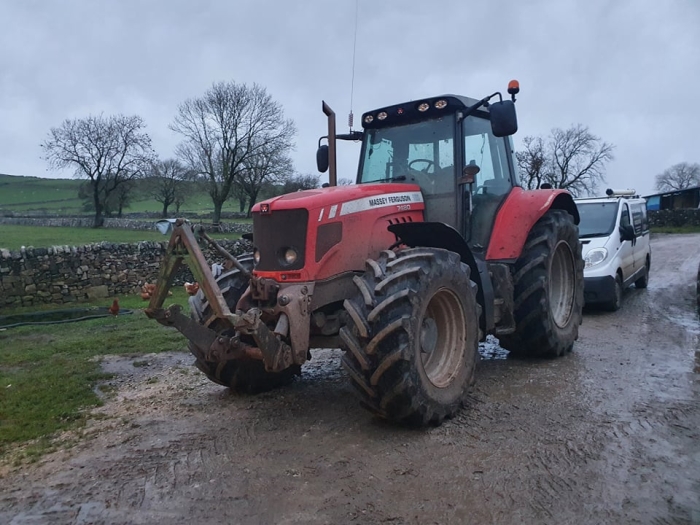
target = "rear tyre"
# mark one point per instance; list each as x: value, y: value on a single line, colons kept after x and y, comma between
x: 412, y: 345
x: 616, y: 302
x: 643, y: 281
x: 548, y: 289
x: 240, y: 375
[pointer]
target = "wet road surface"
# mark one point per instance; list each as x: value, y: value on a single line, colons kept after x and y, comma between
x: 609, y: 434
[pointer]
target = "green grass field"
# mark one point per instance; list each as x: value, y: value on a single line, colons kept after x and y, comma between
x: 60, y: 196
x: 14, y: 237
x: 35, y: 194
x: 48, y: 373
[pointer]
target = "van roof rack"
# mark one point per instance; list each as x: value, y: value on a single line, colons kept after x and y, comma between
x: 621, y: 193
x: 614, y: 194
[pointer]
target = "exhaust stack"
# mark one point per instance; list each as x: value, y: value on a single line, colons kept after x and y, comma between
x: 332, y: 173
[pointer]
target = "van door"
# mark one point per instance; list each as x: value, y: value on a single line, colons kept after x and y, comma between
x: 626, y: 251
x: 641, y: 230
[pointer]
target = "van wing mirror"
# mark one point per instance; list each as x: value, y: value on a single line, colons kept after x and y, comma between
x: 504, y: 121
x: 627, y: 232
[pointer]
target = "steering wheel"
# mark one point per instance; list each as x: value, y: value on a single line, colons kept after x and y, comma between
x: 425, y: 170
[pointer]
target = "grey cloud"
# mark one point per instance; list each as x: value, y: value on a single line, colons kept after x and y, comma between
x: 625, y: 68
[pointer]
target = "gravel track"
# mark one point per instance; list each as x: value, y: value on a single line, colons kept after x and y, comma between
x: 608, y: 434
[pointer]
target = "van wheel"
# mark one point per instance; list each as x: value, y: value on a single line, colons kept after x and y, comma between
x: 643, y: 281
x: 616, y: 302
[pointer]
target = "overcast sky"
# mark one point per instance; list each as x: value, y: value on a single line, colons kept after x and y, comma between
x: 628, y: 69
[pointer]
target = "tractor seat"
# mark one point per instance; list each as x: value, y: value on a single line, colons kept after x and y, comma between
x: 496, y: 186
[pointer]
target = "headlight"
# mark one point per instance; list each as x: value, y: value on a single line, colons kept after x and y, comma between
x: 595, y: 256
x: 256, y: 256
x: 290, y: 256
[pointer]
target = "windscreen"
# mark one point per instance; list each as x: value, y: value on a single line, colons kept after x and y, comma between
x: 421, y: 152
x: 597, y: 218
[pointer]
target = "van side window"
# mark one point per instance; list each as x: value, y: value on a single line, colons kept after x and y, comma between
x: 645, y: 218
x: 625, y: 217
x: 639, y: 219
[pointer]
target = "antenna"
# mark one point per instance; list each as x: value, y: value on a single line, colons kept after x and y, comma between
x: 352, y: 82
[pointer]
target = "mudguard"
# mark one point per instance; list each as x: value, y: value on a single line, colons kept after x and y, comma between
x: 441, y: 235
x: 518, y: 214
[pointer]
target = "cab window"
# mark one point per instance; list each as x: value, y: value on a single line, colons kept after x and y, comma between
x: 489, y: 154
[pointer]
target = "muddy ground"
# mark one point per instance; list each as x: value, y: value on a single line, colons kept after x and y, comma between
x: 609, y: 434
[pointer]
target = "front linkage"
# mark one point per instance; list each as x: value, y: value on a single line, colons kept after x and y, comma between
x: 184, y: 248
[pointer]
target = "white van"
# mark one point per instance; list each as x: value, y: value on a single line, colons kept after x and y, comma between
x: 614, y: 233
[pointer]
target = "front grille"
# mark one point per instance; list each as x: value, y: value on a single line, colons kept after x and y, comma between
x: 275, y: 232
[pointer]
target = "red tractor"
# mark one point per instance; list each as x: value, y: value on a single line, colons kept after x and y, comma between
x: 433, y: 248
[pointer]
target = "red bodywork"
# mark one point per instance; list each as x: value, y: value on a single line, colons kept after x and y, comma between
x: 365, y: 211
x: 519, y: 213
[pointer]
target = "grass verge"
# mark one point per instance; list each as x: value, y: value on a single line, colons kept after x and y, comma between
x: 675, y: 229
x: 49, y: 373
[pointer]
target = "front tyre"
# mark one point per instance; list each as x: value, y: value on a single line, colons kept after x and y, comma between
x: 412, y: 346
x: 643, y: 281
x: 616, y: 302
x: 548, y: 289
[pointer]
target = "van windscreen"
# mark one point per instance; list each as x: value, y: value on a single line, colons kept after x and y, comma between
x: 597, y: 218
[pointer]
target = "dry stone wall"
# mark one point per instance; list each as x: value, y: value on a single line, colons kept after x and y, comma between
x: 66, y: 274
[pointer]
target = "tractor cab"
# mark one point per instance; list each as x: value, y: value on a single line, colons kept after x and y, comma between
x: 448, y: 146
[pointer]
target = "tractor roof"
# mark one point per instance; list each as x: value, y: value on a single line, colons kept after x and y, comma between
x: 415, y: 110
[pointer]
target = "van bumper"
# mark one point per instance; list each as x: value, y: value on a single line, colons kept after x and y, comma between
x: 599, y: 289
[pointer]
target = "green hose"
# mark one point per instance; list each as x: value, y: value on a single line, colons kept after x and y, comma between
x: 57, y: 316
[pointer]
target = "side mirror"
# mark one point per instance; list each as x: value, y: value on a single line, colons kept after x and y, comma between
x: 504, y: 121
x: 322, y: 158
x: 627, y: 232
x: 469, y: 173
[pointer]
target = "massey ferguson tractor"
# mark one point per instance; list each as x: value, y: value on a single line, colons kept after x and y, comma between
x: 433, y: 248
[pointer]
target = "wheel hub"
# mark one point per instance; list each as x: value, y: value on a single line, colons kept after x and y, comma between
x: 443, y: 332
x: 562, y: 286
x: 428, y: 335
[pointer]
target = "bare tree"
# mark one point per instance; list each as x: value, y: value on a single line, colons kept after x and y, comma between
x: 238, y: 194
x: 225, y: 132
x: 345, y: 182
x: 533, y: 163
x: 679, y: 177
x: 120, y: 198
x: 109, y: 151
x: 300, y: 182
x: 112, y: 204
x: 270, y: 164
x: 180, y: 198
x: 166, y: 182
x: 573, y: 159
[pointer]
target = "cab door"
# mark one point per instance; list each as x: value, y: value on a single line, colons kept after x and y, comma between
x: 626, y: 248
